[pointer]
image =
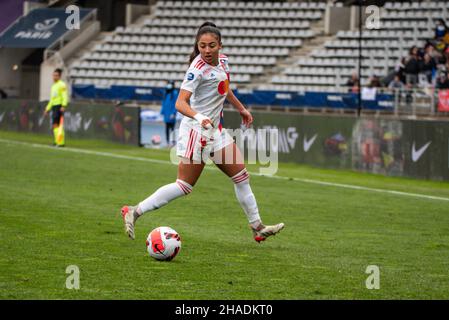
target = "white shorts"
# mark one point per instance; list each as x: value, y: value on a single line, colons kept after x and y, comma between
x: 197, y: 145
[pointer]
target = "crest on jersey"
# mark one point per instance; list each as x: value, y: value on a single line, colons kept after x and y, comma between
x: 223, y: 87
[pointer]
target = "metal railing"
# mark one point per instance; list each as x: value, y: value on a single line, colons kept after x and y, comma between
x: 409, y: 103
x: 414, y: 102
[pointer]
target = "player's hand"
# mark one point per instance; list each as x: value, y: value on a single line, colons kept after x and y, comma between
x: 207, y: 124
x: 62, y: 109
x: 204, y: 121
x: 246, y: 117
x: 45, y: 113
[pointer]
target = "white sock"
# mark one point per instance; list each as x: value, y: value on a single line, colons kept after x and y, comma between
x: 246, y: 197
x: 164, y: 195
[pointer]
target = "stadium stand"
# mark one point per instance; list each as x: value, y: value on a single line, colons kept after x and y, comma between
x: 274, y: 48
x: 329, y: 67
x: 257, y: 35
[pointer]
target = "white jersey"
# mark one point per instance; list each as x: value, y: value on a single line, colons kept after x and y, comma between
x: 209, y: 86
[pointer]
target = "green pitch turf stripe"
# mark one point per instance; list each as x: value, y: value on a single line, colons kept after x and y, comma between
x: 325, y: 183
x: 349, y: 186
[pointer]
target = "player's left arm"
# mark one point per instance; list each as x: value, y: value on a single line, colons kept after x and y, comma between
x: 65, y: 97
x: 244, y: 113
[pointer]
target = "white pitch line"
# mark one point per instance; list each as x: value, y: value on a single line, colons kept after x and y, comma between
x: 325, y: 183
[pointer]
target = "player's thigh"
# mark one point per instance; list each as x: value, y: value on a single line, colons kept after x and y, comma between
x: 229, y: 160
x: 189, y: 170
x: 56, y: 115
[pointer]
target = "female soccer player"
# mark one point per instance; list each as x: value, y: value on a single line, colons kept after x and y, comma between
x: 202, y: 94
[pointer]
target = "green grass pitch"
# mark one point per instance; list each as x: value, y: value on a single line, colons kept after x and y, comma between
x: 61, y: 208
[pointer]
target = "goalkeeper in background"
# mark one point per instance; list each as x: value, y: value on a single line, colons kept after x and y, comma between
x: 57, y: 105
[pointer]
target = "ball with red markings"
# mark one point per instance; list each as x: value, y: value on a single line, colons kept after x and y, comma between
x: 163, y: 243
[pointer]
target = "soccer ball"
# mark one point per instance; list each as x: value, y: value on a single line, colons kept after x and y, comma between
x: 156, y: 140
x: 163, y: 243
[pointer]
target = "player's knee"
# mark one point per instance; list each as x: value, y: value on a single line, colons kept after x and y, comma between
x: 240, y: 177
x: 184, y: 186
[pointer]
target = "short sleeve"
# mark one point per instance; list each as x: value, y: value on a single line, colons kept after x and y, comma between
x: 64, y: 94
x: 225, y: 63
x: 191, y: 80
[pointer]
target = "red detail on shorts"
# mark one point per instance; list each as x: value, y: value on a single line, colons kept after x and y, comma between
x: 189, y: 143
x: 192, y: 147
x: 157, y: 245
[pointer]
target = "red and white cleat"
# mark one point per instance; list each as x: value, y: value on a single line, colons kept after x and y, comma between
x: 129, y: 218
x: 263, y: 232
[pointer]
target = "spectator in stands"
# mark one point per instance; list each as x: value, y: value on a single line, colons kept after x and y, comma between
x: 441, y: 38
x: 354, y: 83
x: 354, y: 78
x: 445, y: 59
x: 443, y: 81
x: 430, y: 50
x: 374, y: 82
x: 399, y: 69
x: 440, y: 29
x: 411, y: 68
x: 428, y: 67
x: 356, y: 87
x: 169, y: 109
x: 396, y: 83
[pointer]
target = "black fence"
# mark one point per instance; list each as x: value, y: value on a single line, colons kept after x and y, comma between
x: 393, y: 147
x: 94, y: 121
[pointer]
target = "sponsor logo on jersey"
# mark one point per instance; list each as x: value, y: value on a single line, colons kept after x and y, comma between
x: 190, y: 76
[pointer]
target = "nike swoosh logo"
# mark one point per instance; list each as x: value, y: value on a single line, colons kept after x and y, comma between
x: 1, y: 116
x: 308, y: 143
x: 416, y: 154
x: 87, y: 124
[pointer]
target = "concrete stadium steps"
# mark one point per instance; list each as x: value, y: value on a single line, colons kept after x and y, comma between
x: 255, y: 51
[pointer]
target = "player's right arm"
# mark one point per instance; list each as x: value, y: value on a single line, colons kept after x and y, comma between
x: 64, y: 96
x: 188, y: 86
x: 183, y: 106
x: 48, y: 107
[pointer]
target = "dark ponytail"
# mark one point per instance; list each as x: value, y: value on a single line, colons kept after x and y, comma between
x: 206, y: 27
